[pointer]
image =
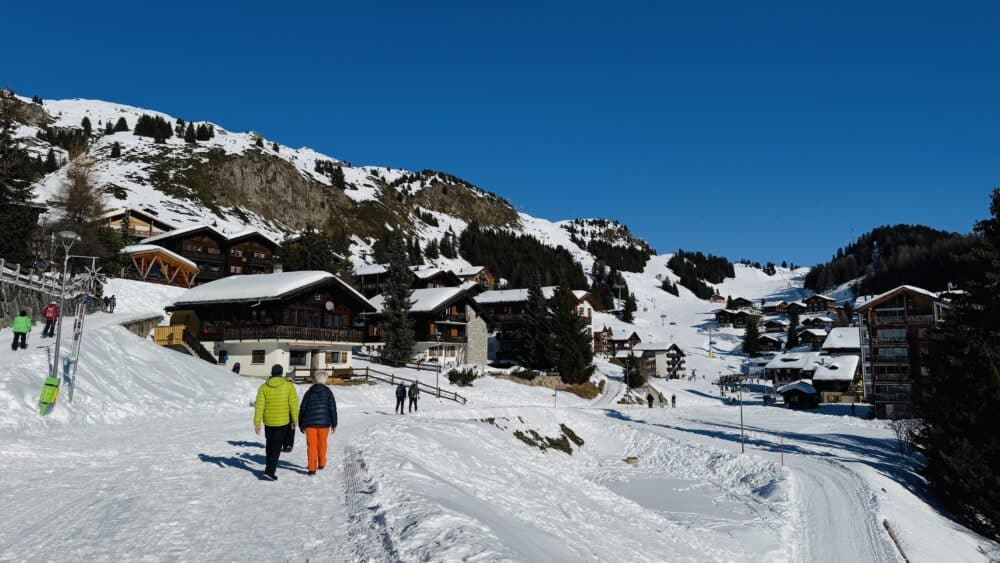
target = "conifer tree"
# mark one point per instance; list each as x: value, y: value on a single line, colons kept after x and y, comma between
x: 86, y: 125
x: 628, y: 312
x: 51, y: 164
x: 108, y: 128
x: 337, y: 178
x: 15, y: 189
x: 179, y: 128
x: 121, y: 125
x: 571, y: 341
x: 189, y: 135
x: 960, y: 401
x: 396, y: 325
x: 536, y: 341
x: 116, y: 150
x: 751, y: 336
x: 431, y: 251
x: 793, y: 331
x: 275, y: 147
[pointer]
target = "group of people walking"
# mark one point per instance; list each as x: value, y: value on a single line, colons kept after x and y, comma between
x: 402, y: 392
x: 23, y: 324
x: 277, y: 408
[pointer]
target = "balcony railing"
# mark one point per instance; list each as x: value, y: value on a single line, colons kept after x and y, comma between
x: 507, y: 317
x: 204, y: 256
x: 893, y: 397
x: 892, y: 378
x: 889, y: 339
x: 452, y: 318
x: 280, y: 332
x: 890, y: 359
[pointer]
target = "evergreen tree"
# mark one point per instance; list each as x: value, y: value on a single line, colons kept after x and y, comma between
x: 108, y: 128
x: 628, y: 312
x: 86, y: 126
x: 121, y: 125
x: 179, y: 128
x: 36, y: 100
x: 259, y: 141
x: 337, y: 179
x: 793, y: 331
x: 51, y: 164
x: 116, y: 150
x: 189, y: 135
x: 536, y: 341
x: 571, y: 341
x: 15, y: 189
x: 312, y: 249
x: 960, y: 402
x: 275, y: 147
x: 431, y: 251
x: 729, y: 302
x: 751, y: 337
x: 202, y: 132
x: 396, y: 325
x: 448, y: 244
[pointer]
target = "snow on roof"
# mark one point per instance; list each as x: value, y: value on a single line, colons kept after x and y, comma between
x: 623, y: 353
x: 774, y: 303
x: 426, y: 272
x: 823, y: 297
x: 258, y: 287
x: 793, y: 360
x: 511, y: 295
x: 836, y: 368
x: 777, y: 320
x: 468, y: 271
x: 843, y: 338
x: 370, y: 269
x: 870, y: 301
x: 137, y: 248
x: 424, y: 300
x: 814, y: 332
x: 622, y: 333
x: 653, y: 346
x: 184, y: 230
x: 802, y: 386
x: 780, y: 337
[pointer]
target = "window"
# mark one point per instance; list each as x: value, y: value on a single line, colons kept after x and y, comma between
x: 297, y: 358
x: 235, y: 269
x: 257, y: 357
x: 334, y: 358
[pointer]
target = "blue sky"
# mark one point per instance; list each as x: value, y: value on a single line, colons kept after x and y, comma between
x: 766, y: 130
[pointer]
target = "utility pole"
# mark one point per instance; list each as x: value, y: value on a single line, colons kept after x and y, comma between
x: 437, y: 378
x: 742, y: 437
x: 67, y: 239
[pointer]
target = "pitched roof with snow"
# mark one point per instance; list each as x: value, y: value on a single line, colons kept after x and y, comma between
x: 468, y: 271
x: 892, y: 292
x: 838, y: 368
x: 793, y: 360
x: 843, y: 338
x: 184, y: 231
x: 814, y: 332
x: 370, y: 269
x: 425, y: 300
x: 653, y: 346
x: 511, y: 295
x: 140, y: 248
x: 261, y: 287
x: 802, y: 386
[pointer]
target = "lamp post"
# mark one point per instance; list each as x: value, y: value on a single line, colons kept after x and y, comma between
x: 67, y: 239
x: 742, y: 439
x: 437, y: 378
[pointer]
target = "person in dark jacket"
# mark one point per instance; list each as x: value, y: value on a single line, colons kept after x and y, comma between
x: 317, y: 420
x: 400, y: 397
x: 414, y: 395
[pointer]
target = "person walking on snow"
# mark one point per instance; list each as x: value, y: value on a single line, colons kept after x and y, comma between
x: 51, y: 315
x: 673, y: 401
x: 414, y: 395
x: 400, y: 397
x: 317, y: 420
x: 21, y: 326
x: 111, y: 303
x: 277, y: 406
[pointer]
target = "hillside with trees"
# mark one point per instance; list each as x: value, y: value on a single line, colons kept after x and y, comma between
x: 518, y: 258
x: 697, y: 268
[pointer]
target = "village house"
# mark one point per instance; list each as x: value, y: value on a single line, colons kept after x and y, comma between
x: 736, y: 319
x: 790, y: 366
x: 448, y: 327
x: 776, y: 324
x: 822, y: 321
x: 659, y: 359
x: 820, y: 303
x: 716, y: 298
x: 738, y: 303
x: 843, y: 341
x: 371, y: 278
x: 772, y: 307
x: 771, y: 342
x: 623, y: 339
x: 813, y: 337
x: 897, y: 327
x: 795, y: 308
x: 504, y: 312
x: 140, y: 224
x: 479, y: 275
x: 601, y: 338
x: 219, y: 255
x: 306, y: 322
x: 835, y: 375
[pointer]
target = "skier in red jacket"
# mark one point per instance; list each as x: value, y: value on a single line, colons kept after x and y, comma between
x: 51, y: 315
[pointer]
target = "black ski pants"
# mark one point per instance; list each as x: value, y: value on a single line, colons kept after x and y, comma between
x: 20, y: 341
x: 274, y: 439
x: 400, y: 404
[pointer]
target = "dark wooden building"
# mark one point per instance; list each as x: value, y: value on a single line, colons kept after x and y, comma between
x: 218, y: 255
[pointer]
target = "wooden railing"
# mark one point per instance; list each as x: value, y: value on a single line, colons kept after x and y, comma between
x: 304, y: 375
x: 281, y: 332
x: 168, y: 335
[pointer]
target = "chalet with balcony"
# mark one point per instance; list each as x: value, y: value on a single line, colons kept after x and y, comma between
x: 738, y: 303
x: 813, y: 337
x: 659, y: 359
x: 140, y: 224
x: 776, y: 325
x: 795, y: 308
x: 218, y: 255
x: 843, y: 341
x: 771, y: 342
x: 820, y: 303
x: 822, y: 321
x: 736, y: 319
x: 371, y: 278
x: 772, y: 307
x: 306, y: 322
x: 448, y: 326
x: 478, y: 275
x: 896, y: 328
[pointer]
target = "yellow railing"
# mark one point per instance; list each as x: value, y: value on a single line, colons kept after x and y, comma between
x: 169, y: 335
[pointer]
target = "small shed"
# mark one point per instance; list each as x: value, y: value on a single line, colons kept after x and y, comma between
x: 799, y: 394
x: 156, y: 264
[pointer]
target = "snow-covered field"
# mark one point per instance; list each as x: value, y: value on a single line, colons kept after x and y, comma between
x: 156, y: 459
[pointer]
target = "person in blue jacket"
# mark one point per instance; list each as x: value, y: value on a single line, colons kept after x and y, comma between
x: 317, y: 420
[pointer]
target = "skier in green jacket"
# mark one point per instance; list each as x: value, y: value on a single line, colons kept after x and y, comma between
x: 277, y: 406
x: 22, y: 326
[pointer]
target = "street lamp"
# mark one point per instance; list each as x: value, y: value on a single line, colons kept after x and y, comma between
x: 437, y: 378
x: 67, y: 239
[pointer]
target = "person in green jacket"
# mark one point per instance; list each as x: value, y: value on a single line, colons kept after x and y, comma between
x: 22, y: 326
x: 277, y: 406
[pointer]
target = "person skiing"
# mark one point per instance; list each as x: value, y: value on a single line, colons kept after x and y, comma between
x: 414, y: 395
x: 21, y: 327
x: 51, y: 314
x: 317, y: 420
x: 673, y: 401
x: 277, y: 406
x: 400, y: 397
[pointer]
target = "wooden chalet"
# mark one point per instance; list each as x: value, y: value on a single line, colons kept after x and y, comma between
x: 737, y: 303
x: 139, y: 223
x: 448, y: 327
x: 218, y: 255
x: 306, y: 322
x: 428, y: 276
x: 814, y: 337
x: 479, y: 275
x: 776, y: 325
x: 794, y: 308
x: 820, y: 303
x: 601, y: 341
x: 736, y: 319
x: 770, y: 343
x: 371, y: 278
x: 151, y: 263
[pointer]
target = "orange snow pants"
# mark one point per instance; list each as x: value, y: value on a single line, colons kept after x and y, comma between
x: 316, y: 446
